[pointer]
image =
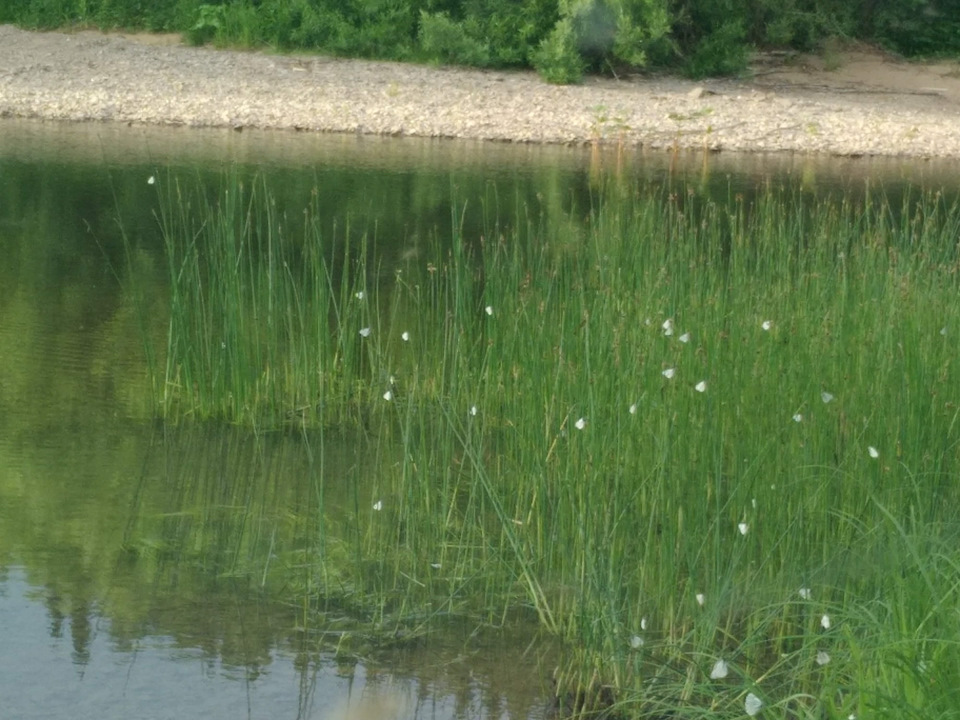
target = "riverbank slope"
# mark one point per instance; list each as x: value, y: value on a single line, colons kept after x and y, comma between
x: 870, y: 104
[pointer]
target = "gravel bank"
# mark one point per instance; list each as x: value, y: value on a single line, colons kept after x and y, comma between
x: 88, y: 76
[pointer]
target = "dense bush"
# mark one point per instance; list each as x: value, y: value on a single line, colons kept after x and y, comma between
x: 917, y: 27
x: 447, y: 40
x: 561, y: 38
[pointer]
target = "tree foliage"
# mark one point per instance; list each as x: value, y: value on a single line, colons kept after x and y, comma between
x: 562, y: 39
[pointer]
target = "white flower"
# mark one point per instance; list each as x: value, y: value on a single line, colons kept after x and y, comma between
x: 743, y: 528
x: 405, y: 336
x: 826, y: 397
x: 669, y: 373
x: 388, y: 395
x: 633, y: 409
x: 805, y: 593
x: 359, y: 295
x: 825, y: 622
x: 580, y: 424
x: 667, y: 327
x: 873, y: 452
x: 473, y: 409
x: 488, y: 309
x: 685, y: 338
x: 822, y: 658
x: 720, y: 670
x: 636, y: 642
x: 365, y: 332
x: 701, y: 386
x: 378, y: 505
x: 752, y: 704
x: 151, y: 180
x: 766, y: 324
x: 701, y: 599
x: 798, y: 417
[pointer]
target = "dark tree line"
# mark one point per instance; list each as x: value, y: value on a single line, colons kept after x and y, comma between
x: 562, y: 39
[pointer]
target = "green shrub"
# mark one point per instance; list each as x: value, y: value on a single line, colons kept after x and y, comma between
x: 558, y: 58
x: 443, y: 40
x: 319, y: 28
x: 511, y: 30
x: 607, y: 33
x: 917, y: 27
x: 42, y: 14
x: 560, y: 38
x: 722, y: 52
x: 210, y: 21
x: 640, y: 24
x: 380, y: 29
x: 241, y: 26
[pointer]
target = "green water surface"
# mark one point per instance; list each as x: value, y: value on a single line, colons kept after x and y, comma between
x: 158, y: 571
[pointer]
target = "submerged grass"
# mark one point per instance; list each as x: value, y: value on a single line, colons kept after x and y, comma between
x: 714, y: 447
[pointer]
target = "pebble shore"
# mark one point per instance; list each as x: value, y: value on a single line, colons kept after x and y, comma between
x: 89, y: 76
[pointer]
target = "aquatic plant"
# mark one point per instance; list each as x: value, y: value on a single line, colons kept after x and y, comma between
x: 550, y: 447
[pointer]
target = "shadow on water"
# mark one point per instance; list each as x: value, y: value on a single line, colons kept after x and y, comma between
x: 208, y: 571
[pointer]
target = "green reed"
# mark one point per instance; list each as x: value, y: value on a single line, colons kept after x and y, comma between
x: 674, y: 432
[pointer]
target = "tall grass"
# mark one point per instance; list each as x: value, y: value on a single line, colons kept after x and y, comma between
x: 673, y: 432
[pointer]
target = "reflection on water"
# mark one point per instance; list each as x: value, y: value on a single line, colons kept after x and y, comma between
x: 157, y: 572
x: 79, y: 666
x: 166, y: 572
x: 154, y: 572
x: 161, y: 572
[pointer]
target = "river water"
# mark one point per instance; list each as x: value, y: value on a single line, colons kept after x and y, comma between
x: 153, y: 572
